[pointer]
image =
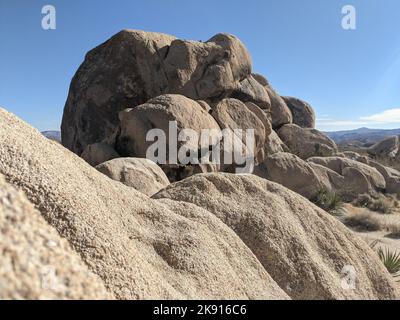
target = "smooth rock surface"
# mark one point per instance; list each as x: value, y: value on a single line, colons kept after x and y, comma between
x: 139, y: 173
x: 301, y: 246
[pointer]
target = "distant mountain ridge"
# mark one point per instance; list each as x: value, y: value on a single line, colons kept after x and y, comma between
x: 362, y: 135
x: 52, y: 135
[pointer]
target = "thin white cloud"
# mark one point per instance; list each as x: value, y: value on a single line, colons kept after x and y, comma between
x: 382, y: 119
x: 387, y: 116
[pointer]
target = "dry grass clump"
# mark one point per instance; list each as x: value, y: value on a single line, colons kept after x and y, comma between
x: 363, y: 221
x: 380, y: 203
x: 394, y: 229
x: 367, y: 220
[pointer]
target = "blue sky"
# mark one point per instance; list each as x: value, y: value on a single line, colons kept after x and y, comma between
x: 351, y: 78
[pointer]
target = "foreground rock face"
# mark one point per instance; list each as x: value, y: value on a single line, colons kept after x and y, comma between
x: 301, y: 246
x: 359, y: 178
x: 140, y: 248
x: 141, y: 174
x: 303, y: 114
x: 36, y: 263
x: 135, y: 66
x: 241, y: 237
x: 306, y: 143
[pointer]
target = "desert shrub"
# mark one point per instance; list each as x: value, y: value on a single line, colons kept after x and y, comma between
x: 379, y: 203
x: 394, y: 229
x: 364, y: 221
x: 328, y: 200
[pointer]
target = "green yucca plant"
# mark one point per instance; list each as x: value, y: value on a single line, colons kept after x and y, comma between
x: 390, y: 259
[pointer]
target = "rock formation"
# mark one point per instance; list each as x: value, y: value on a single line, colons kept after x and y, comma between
x: 36, y: 263
x: 303, y: 114
x: 141, y: 174
x: 306, y: 143
x: 123, y: 231
x: 387, y: 149
x: 209, y: 248
x: 359, y: 178
x: 140, y: 248
x: 301, y: 246
x: 294, y: 173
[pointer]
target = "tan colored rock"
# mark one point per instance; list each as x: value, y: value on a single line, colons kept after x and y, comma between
x: 262, y: 116
x: 233, y: 114
x: 99, y: 152
x: 359, y: 178
x: 36, y: 263
x: 108, y: 83
x: 250, y: 90
x: 204, y: 105
x: 275, y: 144
x: 391, y: 176
x: 356, y: 182
x: 142, y: 174
x: 306, y: 143
x: 180, y: 172
x: 387, y: 148
x: 261, y: 79
x: 157, y: 113
x: 303, y: 114
x: 135, y: 66
x: 280, y: 113
x: 331, y: 180
x: 302, y: 247
x: 140, y: 248
x: 294, y: 174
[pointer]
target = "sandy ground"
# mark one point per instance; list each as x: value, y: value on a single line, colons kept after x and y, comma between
x: 383, y: 236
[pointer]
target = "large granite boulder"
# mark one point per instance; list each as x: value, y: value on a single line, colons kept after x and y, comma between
x: 139, y: 173
x: 302, y: 247
x: 391, y: 176
x: 359, y: 178
x: 159, y: 113
x: 306, y: 142
x: 387, y: 148
x: 303, y: 114
x: 280, y: 113
x: 232, y: 114
x: 295, y: 174
x: 250, y: 90
x: 99, y: 152
x: 135, y: 66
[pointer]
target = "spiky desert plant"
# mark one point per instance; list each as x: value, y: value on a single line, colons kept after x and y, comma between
x: 391, y: 260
